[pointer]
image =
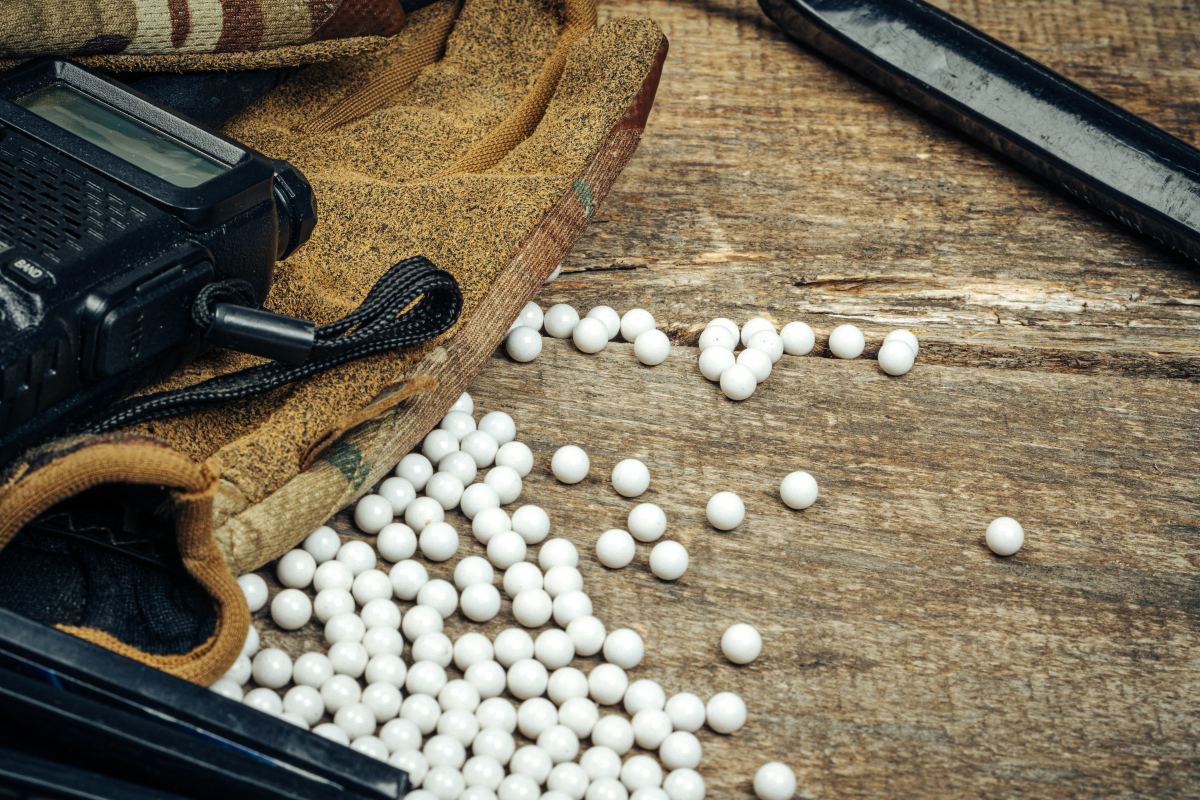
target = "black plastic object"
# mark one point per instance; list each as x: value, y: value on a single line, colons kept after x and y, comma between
x: 1111, y: 159
x: 252, y: 330
x: 102, y: 712
x: 212, y: 99
x: 138, y: 749
x: 27, y: 777
x: 115, y: 211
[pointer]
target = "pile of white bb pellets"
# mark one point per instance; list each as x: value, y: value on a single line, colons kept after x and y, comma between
x: 510, y: 717
x: 741, y: 373
x: 591, y: 334
x: 737, y: 373
x: 548, y: 708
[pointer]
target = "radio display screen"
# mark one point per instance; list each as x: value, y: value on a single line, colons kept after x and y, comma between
x: 129, y: 139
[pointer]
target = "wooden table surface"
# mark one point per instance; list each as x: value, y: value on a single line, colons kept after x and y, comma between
x: 1058, y: 382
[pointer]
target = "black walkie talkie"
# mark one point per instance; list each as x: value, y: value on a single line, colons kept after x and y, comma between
x: 115, y: 213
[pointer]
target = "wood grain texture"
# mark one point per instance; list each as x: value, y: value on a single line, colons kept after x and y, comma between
x: 902, y: 657
x: 1057, y: 383
x: 773, y: 181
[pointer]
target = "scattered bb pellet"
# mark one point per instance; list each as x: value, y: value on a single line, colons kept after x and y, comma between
x: 570, y: 464
x: 630, y: 477
x: 523, y: 344
x: 758, y: 362
x: 358, y: 556
x: 906, y: 336
x: 291, y: 609
x: 400, y: 492
x: 725, y: 712
x: 437, y: 542
x: 332, y: 575
x: 480, y: 602
x: 668, y: 560
x: 1004, y: 536
x: 532, y: 523
x: 625, y: 648
x: 684, y: 784
x: 296, y: 568
x: 754, y: 326
x: 714, y: 361
x: 681, y: 750
x: 738, y: 382
x: 444, y: 487
x: 652, y: 347
x: 798, y: 490
x: 505, y: 549
x: 513, y: 454
x: 847, y: 341
x: 650, y: 727
x: 725, y: 511
x: 465, y: 402
x: 768, y: 341
x: 531, y: 316
x: 590, y: 335
x: 560, y: 321
x: 323, y: 543
x: 798, y: 339
x: 416, y: 468
x: 686, y: 711
x: 635, y: 322
x: 774, y: 781
x: 896, y: 357
x: 396, y: 542
x: 717, y: 336
x: 438, y: 444
x: 372, y: 512
x: 606, y: 685
x: 741, y: 643
x: 499, y: 425
x: 556, y: 553
x: 647, y: 522
x: 476, y: 498
x: 458, y: 423
x: 644, y: 693
x: 506, y: 482
x: 728, y: 324
x: 610, y: 318
x: 420, y: 513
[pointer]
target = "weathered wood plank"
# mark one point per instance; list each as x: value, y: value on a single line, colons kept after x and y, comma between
x: 902, y: 657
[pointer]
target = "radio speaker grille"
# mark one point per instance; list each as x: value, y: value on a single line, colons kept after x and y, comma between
x: 52, y: 208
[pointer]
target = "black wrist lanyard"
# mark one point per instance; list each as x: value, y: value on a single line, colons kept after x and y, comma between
x: 412, y: 303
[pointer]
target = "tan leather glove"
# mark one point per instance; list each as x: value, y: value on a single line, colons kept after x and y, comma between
x: 483, y: 137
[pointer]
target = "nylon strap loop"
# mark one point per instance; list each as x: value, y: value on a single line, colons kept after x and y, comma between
x: 412, y: 303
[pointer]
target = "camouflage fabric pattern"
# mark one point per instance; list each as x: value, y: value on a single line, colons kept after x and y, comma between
x: 173, y: 27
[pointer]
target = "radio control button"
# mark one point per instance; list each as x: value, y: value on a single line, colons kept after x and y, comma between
x: 29, y: 273
x: 155, y: 319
